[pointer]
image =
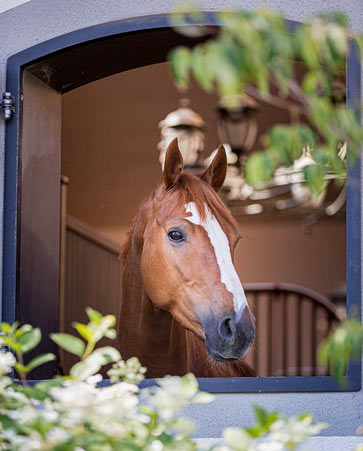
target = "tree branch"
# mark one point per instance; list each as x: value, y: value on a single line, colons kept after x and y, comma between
x: 278, y: 101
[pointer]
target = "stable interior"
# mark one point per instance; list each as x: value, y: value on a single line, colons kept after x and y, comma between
x: 110, y: 162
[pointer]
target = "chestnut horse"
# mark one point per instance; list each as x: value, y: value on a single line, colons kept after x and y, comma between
x: 183, y: 307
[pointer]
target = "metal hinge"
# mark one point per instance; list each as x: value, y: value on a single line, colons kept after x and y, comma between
x: 7, y: 104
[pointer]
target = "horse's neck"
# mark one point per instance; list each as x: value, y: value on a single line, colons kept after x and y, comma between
x: 149, y: 333
x: 153, y: 335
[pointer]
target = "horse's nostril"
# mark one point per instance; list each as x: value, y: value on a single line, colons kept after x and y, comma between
x: 227, y: 328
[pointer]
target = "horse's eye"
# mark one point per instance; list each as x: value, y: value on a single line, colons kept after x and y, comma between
x: 176, y: 236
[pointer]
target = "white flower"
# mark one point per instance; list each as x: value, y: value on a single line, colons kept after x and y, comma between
x: 4, y: 382
x: 7, y: 361
x: 294, y: 430
x: 130, y: 371
x: 32, y: 442
x: 268, y: 446
x: 74, y: 394
x: 116, y: 390
x: 156, y: 445
x: 95, y: 379
x: 56, y: 436
x: 175, y: 392
x: 24, y: 415
x: 16, y: 395
x: 48, y: 412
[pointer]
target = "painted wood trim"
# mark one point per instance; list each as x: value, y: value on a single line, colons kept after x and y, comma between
x: 92, y: 234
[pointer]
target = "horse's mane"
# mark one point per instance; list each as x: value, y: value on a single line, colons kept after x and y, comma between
x: 188, y: 188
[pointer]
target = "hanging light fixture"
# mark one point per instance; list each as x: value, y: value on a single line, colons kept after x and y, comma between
x: 188, y: 126
x: 237, y: 130
x: 237, y: 127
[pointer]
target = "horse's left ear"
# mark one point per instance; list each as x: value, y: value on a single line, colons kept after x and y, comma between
x: 217, y: 170
x: 173, y: 165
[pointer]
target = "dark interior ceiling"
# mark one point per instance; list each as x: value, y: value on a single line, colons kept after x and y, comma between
x: 81, y: 64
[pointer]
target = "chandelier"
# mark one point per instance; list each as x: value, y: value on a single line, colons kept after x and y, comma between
x: 186, y: 125
x: 238, y: 130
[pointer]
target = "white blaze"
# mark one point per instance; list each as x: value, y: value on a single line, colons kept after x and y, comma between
x: 222, y: 251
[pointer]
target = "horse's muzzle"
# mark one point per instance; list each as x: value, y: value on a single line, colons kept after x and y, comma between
x: 228, y: 339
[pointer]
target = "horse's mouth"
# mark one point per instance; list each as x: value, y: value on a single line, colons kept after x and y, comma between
x: 219, y: 358
x: 230, y: 355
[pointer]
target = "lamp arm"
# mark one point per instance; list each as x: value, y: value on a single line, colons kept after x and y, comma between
x: 337, y: 205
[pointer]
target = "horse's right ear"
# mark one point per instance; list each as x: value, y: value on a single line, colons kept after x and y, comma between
x: 216, y: 172
x: 173, y: 165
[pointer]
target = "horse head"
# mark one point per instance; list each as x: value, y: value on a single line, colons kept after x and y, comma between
x: 187, y: 257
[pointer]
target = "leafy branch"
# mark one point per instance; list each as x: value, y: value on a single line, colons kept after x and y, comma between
x: 253, y: 53
x: 91, y: 360
x: 22, y: 340
x: 342, y: 346
x: 278, y: 432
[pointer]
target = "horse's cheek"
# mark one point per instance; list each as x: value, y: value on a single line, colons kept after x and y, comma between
x: 153, y: 277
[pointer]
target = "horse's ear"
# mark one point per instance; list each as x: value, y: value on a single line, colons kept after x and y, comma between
x: 173, y: 165
x: 217, y: 170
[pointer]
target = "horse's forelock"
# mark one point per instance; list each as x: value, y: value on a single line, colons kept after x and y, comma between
x: 188, y: 188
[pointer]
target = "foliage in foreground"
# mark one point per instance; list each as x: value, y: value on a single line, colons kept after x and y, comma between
x: 253, y: 53
x: 75, y: 413
x: 343, y: 345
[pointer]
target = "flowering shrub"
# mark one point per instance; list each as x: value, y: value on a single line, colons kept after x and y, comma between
x: 74, y: 413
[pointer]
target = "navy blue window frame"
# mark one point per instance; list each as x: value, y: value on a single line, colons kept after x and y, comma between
x: 18, y: 62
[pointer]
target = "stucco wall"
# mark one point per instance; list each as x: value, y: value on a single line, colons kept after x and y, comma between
x: 40, y: 20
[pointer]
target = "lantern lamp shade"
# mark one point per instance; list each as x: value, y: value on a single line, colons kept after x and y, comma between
x: 188, y: 126
x: 238, y: 127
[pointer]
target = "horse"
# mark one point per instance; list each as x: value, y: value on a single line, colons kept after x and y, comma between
x: 183, y: 306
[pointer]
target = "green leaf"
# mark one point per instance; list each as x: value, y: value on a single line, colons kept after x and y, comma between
x: 29, y: 340
x: 5, y: 328
x: 264, y: 418
x: 44, y: 386
x: 314, y: 176
x: 181, y: 60
x: 13, y: 327
x: 69, y: 343
x: 39, y: 360
x: 259, y: 169
x: 303, y: 416
x: 261, y: 415
x: 84, y: 331
x: 12, y: 344
x: 8, y: 423
x: 92, y: 364
x: 341, y: 346
x: 200, y: 64
x: 256, y: 431
x: 25, y: 328
x: 31, y: 392
x: 19, y: 368
x: 93, y: 315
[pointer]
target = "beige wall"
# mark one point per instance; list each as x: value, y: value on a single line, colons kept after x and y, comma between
x: 110, y: 134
